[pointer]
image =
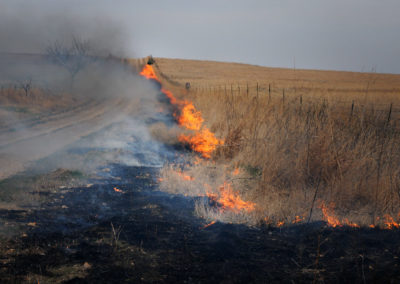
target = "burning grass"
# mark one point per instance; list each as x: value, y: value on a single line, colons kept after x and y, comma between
x: 199, y: 138
x: 303, y: 156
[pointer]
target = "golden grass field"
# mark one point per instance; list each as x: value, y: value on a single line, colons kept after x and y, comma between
x: 303, y: 140
x: 214, y: 76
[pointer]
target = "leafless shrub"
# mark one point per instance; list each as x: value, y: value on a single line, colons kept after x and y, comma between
x: 73, y: 57
x: 26, y: 85
x: 115, y: 235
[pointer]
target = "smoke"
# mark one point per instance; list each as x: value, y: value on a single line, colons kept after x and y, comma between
x: 71, y: 64
x: 29, y: 27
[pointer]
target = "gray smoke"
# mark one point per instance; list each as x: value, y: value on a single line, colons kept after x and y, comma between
x: 62, y: 53
x: 30, y: 26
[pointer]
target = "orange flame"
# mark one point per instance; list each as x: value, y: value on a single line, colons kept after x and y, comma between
x: 298, y: 219
x: 230, y: 200
x: 190, y: 117
x: 332, y: 220
x: 390, y: 223
x: 280, y: 224
x: 329, y: 216
x: 148, y: 73
x: 350, y: 224
x: 118, y: 190
x: 236, y: 172
x: 203, y: 140
x: 208, y: 225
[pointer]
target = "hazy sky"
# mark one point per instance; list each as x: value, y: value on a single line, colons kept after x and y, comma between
x: 356, y: 35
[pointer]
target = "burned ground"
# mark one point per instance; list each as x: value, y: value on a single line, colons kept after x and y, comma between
x: 96, y: 234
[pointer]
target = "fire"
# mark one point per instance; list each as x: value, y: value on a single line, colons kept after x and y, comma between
x: 148, y: 73
x: 190, y: 117
x: 332, y: 220
x: 280, y: 224
x: 230, y: 200
x: 329, y: 215
x: 390, y: 223
x: 203, y: 140
x: 350, y: 224
x: 298, y: 219
x: 118, y: 190
x: 208, y: 225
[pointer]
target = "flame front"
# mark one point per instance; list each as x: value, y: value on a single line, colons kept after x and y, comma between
x: 390, y: 222
x: 208, y: 225
x: 203, y: 140
x: 332, y: 220
x: 148, y: 72
x: 329, y: 215
x: 190, y: 117
x: 230, y: 200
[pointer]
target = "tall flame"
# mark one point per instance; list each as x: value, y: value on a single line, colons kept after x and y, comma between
x: 329, y: 216
x: 190, y: 117
x: 202, y: 140
x: 148, y: 73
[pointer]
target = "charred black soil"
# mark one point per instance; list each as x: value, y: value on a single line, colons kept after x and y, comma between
x: 125, y: 230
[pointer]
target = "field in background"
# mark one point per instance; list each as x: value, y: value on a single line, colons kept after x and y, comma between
x: 300, y: 144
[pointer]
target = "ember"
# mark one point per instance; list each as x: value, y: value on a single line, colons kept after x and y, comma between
x: 118, y: 190
x: 236, y: 172
x: 208, y: 225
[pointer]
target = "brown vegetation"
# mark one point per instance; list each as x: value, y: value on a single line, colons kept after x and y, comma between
x: 301, y: 138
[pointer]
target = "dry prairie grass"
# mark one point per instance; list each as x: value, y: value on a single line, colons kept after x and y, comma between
x: 316, y: 136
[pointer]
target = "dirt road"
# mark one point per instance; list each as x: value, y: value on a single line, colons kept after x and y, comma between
x: 32, y: 139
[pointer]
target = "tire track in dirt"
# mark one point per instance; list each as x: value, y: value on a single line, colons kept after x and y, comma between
x: 44, y: 139
x: 47, y: 124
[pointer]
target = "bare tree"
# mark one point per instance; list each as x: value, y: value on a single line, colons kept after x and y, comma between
x: 26, y: 85
x: 73, y: 58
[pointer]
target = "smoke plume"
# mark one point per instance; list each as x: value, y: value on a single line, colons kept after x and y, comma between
x: 68, y: 67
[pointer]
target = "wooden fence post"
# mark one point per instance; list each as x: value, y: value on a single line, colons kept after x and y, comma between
x: 352, y: 109
x: 257, y: 90
x: 389, y: 114
x: 269, y: 93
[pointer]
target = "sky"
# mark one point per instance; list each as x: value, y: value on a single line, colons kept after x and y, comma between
x: 351, y: 35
